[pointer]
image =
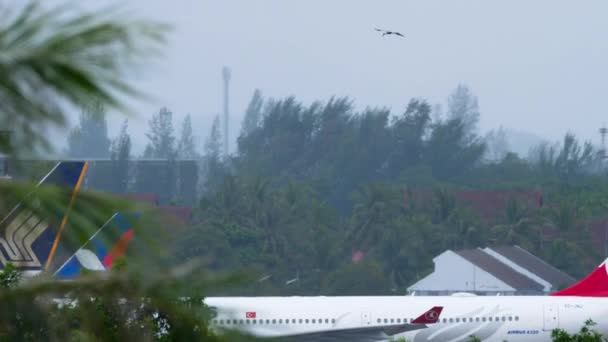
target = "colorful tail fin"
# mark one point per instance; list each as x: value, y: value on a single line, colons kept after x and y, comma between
x: 594, y: 285
x: 103, y: 248
x: 429, y: 317
x: 28, y: 241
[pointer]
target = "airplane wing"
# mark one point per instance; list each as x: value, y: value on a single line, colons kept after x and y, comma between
x: 369, y: 333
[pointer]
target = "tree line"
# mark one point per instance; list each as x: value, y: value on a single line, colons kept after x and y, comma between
x: 318, y: 194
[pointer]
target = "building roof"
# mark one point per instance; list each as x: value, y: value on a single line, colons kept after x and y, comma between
x: 499, y: 270
x: 491, y: 205
x: 535, y: 265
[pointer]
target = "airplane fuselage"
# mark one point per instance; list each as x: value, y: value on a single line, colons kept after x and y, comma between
x: 511, y: 318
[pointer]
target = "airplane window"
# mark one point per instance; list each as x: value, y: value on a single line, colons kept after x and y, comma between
x: 255, y: 321
x: 510, y: 318
x: 221, y: 321
x: 490, y: 319
x: 241, y: 321
x: 379, y: 320
x: 517, y: 318
x: 504, y: 318
x: 476, y: 319
x: 398, y: 320
x: 326, y: 320
x: 457, y: 320
x: 274, y: 321
x: 247, y: 321
x: 280, y: 321
x: 385, y: 320
x: 321, y: 320
x: 300, y: 321
x: 267, y: 321
x: 313, y: 321
x: 483, y: 319
x: 293, y: 321
x: 445, y: 320
x: 451, y: 320
x: 497, y: 319
x: 392, y: 320
x: 306, y: 321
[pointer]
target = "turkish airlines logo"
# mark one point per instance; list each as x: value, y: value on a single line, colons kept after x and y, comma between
x: 19, y: 236
x: 250, y: 315
x: 431, y: 315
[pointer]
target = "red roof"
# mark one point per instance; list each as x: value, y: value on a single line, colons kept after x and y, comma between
x: 491, y: 205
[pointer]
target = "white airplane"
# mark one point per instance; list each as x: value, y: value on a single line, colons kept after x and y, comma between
x: 499, y: 318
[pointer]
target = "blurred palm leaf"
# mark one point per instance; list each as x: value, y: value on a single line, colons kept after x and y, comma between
x: 52, y: 59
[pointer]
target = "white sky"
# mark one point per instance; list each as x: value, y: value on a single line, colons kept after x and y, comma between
x: 537, y: 66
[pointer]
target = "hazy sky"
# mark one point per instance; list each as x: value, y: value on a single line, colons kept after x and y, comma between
x: 538, y: 66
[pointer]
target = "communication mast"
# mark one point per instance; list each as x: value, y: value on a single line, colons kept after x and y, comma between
x: 226, y: 75
x: 603, y: 133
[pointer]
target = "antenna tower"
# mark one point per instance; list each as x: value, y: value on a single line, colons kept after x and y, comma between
x: 226, y: 75
x: 603, y: 133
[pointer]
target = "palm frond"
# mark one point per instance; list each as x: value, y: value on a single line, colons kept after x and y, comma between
x: 58, y: 58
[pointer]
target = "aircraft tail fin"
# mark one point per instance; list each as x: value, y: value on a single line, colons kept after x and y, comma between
x: 101, y: 251
x: 429, y: 317
x: 594, y: 285
x: 28, y: 239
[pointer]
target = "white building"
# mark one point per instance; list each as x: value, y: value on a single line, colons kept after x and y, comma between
x: 490, y: 271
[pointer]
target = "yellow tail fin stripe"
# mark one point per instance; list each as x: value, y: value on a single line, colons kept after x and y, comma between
x: 65, y: 217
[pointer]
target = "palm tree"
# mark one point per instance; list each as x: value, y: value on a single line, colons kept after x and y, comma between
x: 58, y: 58
x: 50, y: 60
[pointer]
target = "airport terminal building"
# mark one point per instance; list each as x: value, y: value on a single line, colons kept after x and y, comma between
x: 507, y: 270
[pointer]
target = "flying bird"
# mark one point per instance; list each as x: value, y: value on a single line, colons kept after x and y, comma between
x: 388, y: 33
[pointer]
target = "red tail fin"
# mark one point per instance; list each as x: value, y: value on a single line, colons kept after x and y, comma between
x: 594, y: 285
x: 429, y: 317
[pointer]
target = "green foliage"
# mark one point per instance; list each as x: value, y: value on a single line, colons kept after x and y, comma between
x: 253, y: 114
x: 385, y: 190
x: 90, y: 138
x: 462, y: 106
x: 61, y: 57
x: 186, y: 148
x: 57, y: 57
x: 400, y: 339
x: 347, y: 281
x: 9, y: 276
x: 214, y: 168
x: 474, y: 338
x: 161, y: 136
x: 586, y: 334
x: 121, y: 154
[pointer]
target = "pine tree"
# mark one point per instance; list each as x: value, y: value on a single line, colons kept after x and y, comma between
x: 213, y: 167
x: 161, y: 136
x: 462, y: 105
x: 90, y: 138
x: 497, y: 144
x: 186, y: 148
x: 213, y: 145
x: 121, y: 152
x: 253, y: 114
